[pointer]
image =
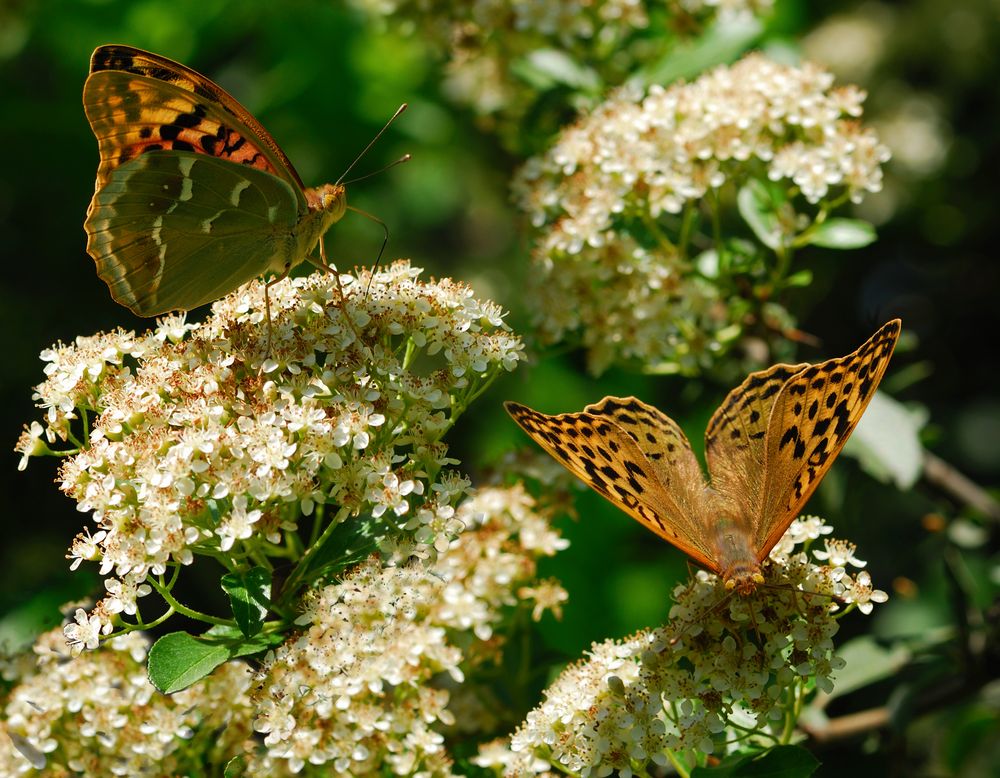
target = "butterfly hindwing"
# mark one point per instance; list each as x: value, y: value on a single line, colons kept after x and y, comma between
x: 174, y: 230
x: 648, y: 480
x: 812, y: 418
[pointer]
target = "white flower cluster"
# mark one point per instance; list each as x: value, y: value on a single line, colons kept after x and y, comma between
x: 354, y: 692
x: 364, y: 689
x: 493, y: 45
x: 617, y: 200
x: 98, y: 714
x: 199, y: 438
x: 726, y: 667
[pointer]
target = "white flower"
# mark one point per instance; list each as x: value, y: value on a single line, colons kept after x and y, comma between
x: 195, y: 437
x: 700, y: 684
x: 839, y: 553
x: 615, y: 271
x: 861, y: 592
x: 85, y: 631
x: 124, y: 593
x: 238, y: 525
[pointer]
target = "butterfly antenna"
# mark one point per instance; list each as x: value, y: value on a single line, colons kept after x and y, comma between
x: 385, y: 242
x: 401, y: 160
x: 372, y: 143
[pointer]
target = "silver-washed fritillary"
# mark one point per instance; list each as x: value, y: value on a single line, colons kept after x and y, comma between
x: 193, y: 197
x: 768, y: 446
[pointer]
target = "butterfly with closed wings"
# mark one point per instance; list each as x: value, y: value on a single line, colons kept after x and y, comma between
x: 193, y: 197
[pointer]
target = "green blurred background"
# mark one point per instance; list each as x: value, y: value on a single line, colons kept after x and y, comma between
x: 323, y: 79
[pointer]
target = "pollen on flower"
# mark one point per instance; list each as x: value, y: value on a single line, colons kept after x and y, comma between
x: 215, y: 438
x: 370, y: 681
x: 387, y: 661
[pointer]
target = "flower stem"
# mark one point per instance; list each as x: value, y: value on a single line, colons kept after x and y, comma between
x: 191, y: 613
x: 295, y: 579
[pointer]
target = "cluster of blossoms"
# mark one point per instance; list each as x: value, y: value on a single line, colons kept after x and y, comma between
x: 356, y: 692
x: 98, y: 714
x: 726, y: 669
x: 504, y: 57
x: 202, y: 439
x: 620, y: 255
x: 363, y: 689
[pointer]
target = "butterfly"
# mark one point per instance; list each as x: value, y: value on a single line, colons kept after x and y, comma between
x: 768, y: 446
x: 193, y: 197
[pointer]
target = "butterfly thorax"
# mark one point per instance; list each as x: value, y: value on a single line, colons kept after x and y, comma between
x: 734, y: 551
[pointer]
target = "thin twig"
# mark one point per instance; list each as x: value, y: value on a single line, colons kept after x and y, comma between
x: 942, y: 475
x: 849, y: 725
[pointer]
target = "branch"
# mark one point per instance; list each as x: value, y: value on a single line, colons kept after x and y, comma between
x: 949, y: 480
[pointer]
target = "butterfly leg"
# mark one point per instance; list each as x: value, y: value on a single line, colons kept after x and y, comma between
x: 267, y: 304
x: 385, y: 242
x: 324, y: 264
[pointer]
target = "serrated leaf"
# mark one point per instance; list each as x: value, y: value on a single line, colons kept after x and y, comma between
x: 843, y: 234
x: 759, y: 211
x: 348, y: 544
x: 778, y: 762
x: 249, y: 597
x: 237, y: 644
x: 178, y: 660
x: 886, y: 442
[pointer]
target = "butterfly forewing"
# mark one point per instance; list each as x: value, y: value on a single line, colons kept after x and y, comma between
x: 813, y: 415
x: 178, y: 230
x: 662, y: 442
x: 734, y: 439
x: 653, y: 476
x: 137, y: 101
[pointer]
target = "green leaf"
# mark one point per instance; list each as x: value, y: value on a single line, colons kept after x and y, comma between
x: 867, y: 662
x: 843, y: 234
x: 721, y: 43
x: 886, y: 442
x: 803, y: 278
x: 348, y: 544
x: 759, y: 209
x: 235, y: 767
x: 250, y: 597
x: 178, y: 660
x: 238, y: 646
x: 546, y: 68
x: 778, y: 762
